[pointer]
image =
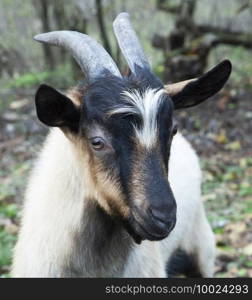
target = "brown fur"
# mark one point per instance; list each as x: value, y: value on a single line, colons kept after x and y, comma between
x: 174, y: 88
x: 137, y: 179
x: 138, y: 173
x: 76, y: 95
x: 107, y: 188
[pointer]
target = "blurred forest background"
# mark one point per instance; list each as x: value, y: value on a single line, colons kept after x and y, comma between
x: 182, y: 39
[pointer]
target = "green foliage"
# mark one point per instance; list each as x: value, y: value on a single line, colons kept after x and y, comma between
x: 218, y: 230
x: 248, y: 205
x: 6, y: 191
x: 7, y: 242
x: 12, y: 183
x: 159, y: 70
x: 9, y: 211
x: 28, y: 80
x: 7, y: 237
x: 61, y: 76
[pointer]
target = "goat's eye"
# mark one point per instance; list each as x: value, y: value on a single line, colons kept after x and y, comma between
x: 97, y: 143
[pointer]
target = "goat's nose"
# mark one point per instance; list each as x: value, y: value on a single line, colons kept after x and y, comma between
x: 163, y: 223
x: 164, y: 215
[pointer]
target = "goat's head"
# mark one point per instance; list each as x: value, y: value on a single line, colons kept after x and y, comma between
x: 125, y: 126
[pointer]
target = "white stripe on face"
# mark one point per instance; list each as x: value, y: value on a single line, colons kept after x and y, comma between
x: 145, y: 105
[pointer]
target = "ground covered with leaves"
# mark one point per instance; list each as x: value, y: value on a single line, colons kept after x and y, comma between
x: 220, y: 131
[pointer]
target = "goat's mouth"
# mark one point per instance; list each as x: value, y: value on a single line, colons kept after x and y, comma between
x: 149, y: 228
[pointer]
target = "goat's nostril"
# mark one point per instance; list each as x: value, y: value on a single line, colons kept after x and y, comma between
x: 159, y: 215
x: 164, y: 219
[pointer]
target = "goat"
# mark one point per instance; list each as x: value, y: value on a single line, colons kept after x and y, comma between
x: 99, y: 201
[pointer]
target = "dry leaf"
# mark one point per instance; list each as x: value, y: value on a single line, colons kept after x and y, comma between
x: 233, y: 146
x: 221, y: 138
x: 247, y: 250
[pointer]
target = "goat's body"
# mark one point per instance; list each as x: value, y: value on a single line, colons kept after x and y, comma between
x: 101, y: 187
x: 63, y: 233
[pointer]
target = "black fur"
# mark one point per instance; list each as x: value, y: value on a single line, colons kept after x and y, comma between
x: 182, y: 263
x: 165, y: 126
x: 204, y: 87
x: 103, y: 96
x: 55, y: 109
x: 106, y: 238
x: 105, y: 93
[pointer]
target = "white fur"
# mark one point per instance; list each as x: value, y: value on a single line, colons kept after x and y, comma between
x: 146, y: 106
x: 53, y: 212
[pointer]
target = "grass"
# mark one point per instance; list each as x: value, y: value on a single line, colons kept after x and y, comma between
x: 228, y: 192
x: 7, y: 242
x: 61, y: 76
x: 12, y: 184
x: 7, y: 237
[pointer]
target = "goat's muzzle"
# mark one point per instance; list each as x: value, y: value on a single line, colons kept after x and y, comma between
x: 153, y: 225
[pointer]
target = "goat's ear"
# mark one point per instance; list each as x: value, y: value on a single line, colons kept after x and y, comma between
x: 192, y: 92
x: 56, y: 110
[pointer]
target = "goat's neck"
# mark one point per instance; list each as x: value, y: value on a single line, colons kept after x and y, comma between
x: 100, y: 243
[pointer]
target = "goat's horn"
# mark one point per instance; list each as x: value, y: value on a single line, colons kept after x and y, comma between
x: 90, y: 55
x: 129, y: 43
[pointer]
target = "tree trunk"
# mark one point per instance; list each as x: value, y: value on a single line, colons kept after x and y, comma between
x: 187, y: 47
x: 42, y: 8
x: 102, y: 26
x: 60, y: 20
